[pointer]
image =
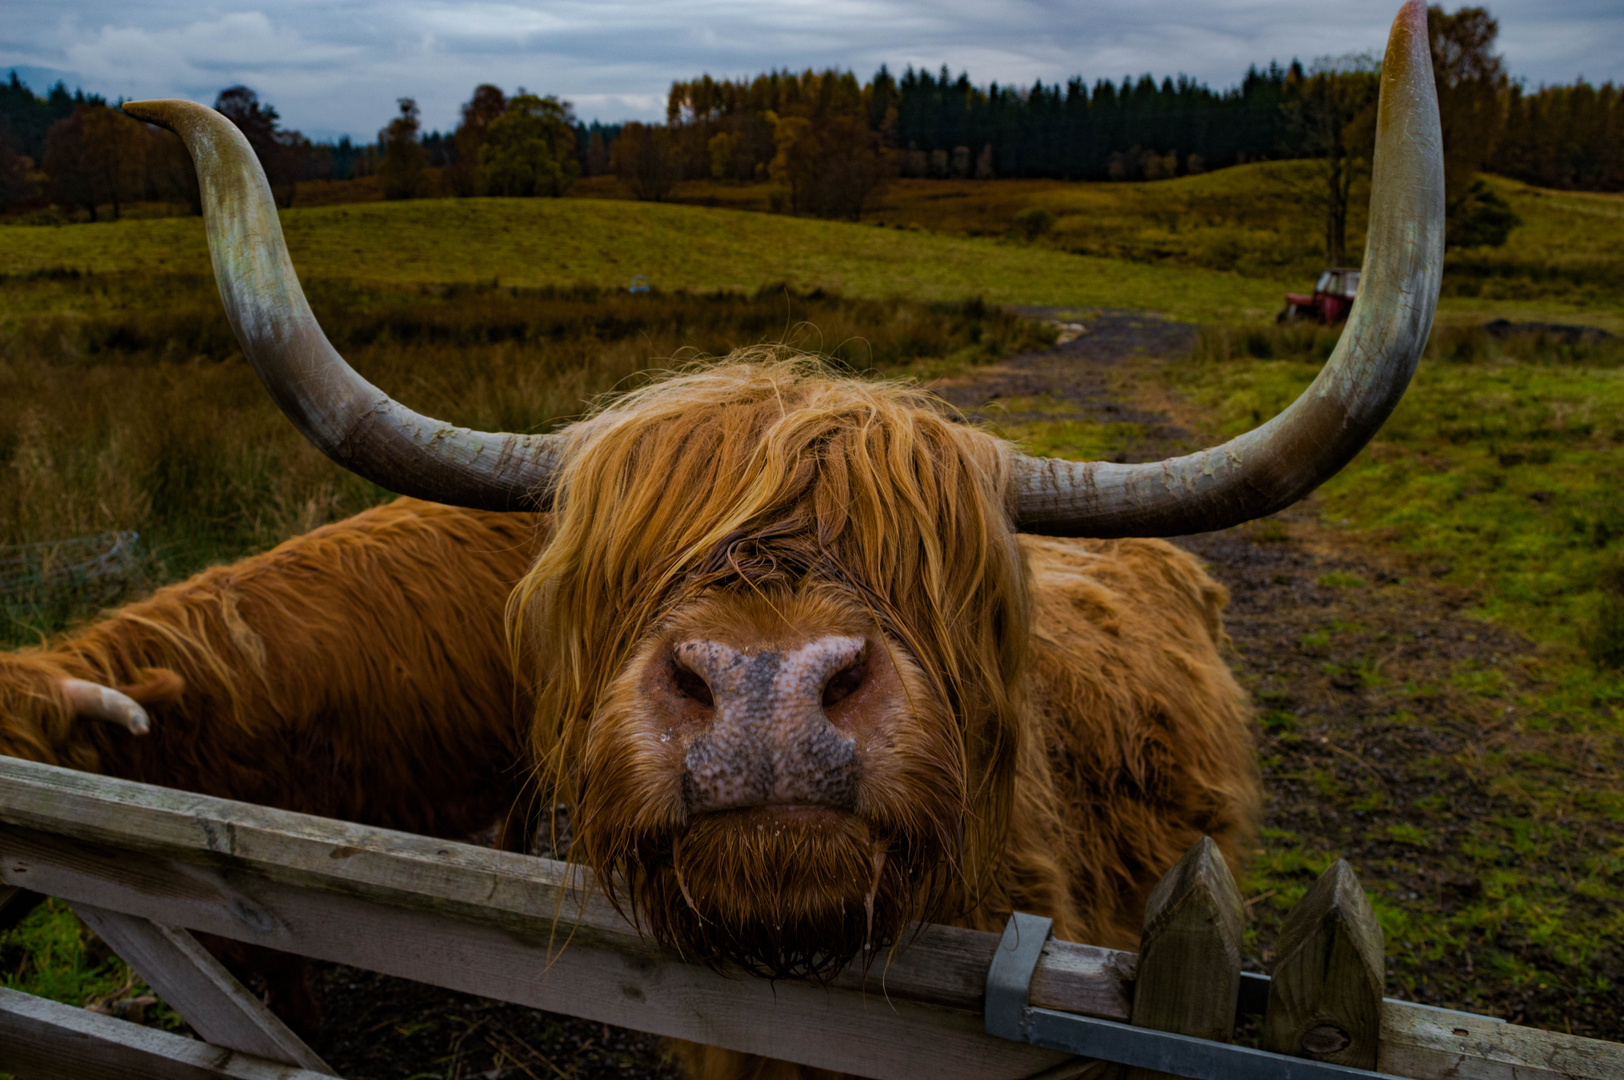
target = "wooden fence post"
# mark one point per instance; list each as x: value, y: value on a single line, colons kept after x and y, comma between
x: 198, y: 987
x: 1190, y: 955
x: 1325, y: 999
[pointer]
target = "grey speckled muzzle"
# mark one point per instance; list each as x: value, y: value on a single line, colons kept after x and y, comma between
x: 770, y: 742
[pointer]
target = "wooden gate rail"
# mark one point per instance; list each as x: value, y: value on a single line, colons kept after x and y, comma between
x: 40, y: 1038
x: 530, y: 931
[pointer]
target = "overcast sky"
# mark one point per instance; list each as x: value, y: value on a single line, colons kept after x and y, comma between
x: 336, y: 68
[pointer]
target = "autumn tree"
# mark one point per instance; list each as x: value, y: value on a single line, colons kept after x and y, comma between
x: 15, y: 185
x: 644, y: 157
x: 168, y: 173
x: 530, y: 149
x: 94, y: 158
x: 1330, y: 115
x: 487, y: 104
x: 281, y: 153
x: 1471, y: 83
x: 832, y: 165
x: 404, y: 159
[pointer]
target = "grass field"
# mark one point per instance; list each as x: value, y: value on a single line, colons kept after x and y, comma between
x: 1221, y: 246
x: 1566, y: 262
x: 1479, y: 772
x: 1503, y: 459
x: 124, y: 404
x: 566, y: 242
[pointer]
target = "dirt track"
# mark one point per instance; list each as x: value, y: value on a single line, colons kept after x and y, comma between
x: 1360, y: 664
x: 1368, y: 742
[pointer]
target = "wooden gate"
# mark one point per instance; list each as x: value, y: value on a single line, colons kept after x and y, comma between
x: 144, y: 865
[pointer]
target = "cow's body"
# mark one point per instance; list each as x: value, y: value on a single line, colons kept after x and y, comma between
x: 1145, y: 735
x: 360, y: 671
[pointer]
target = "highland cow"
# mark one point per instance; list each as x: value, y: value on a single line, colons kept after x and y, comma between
x: 799, y: 677
x: 359, y: 671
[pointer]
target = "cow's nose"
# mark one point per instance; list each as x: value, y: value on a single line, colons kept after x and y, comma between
x: 770, y: 740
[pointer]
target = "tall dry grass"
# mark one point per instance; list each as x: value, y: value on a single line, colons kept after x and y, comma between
x: 1474, y: 343
x: 125, y: 404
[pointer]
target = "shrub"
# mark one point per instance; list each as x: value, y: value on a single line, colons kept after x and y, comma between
x: 1035, y: 221
x: 1480, y: 218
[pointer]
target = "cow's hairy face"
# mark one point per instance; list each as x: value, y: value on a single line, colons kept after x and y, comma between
x: 779, y: 628
x: 781, y: 779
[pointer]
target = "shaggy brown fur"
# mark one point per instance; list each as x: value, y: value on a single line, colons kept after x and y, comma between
x: 1138, y: 745
x: 358, y: 672
x: 1076, y: 727
x: 813, y: 502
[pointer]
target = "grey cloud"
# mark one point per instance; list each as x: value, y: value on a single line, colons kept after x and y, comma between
x: 333, y: 68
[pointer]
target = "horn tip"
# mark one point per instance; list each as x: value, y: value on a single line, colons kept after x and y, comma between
x: 1411, y: 20
x: 161, y: 111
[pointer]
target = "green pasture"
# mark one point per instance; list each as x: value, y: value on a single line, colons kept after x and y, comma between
x: 1260, y: 222
x: 1504, y: 462
x: 1212, y: 247
x: 565, y: 242
x: 1499, y: 475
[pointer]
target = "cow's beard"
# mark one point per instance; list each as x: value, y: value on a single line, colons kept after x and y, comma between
x: 782, y: 892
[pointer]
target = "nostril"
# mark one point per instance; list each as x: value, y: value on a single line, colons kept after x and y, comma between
x: 692, y: 686
x: 843, y: 683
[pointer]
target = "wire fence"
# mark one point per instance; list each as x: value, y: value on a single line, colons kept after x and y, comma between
x: 84, y: 565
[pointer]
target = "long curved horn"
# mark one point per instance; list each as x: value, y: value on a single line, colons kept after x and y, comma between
x: 1273, y: 466
x: 351, y: 421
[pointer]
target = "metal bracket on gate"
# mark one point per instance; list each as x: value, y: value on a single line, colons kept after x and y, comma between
x: 1009, y: 1015
x: 1009, y: 977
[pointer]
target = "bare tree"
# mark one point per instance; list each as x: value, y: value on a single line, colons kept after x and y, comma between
x: 1331, y: 117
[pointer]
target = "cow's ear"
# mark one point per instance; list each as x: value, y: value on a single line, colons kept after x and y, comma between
x: 155, y: 686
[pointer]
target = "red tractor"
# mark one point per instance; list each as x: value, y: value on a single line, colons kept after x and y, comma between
x: 1331, y: 301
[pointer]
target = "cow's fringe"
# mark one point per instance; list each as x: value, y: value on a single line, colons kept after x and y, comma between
x: 771, y: 470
